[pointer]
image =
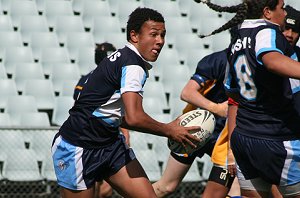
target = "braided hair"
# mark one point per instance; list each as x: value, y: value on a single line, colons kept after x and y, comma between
x: 248, y: 9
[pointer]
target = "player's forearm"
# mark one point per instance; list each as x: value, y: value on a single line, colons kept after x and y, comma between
x: 144, y: 123
x: 281, y: 64
x: 198, y: 100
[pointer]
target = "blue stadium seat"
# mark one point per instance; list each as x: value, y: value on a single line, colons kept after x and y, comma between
x: 94, y: 8
x: 27, y: 71
x: 42, y: 90
x: 5, y: 120
x: 6, y: 23
x: 76, y: 40
x: 8, y: 88
x: 53, y: 55
x: 21, y: 165
x: 40, y: 40
x: 20, y: 8
x: 62, y: 106
x: 32, y: 23
x: 85, y: 59
x: 35, y: 119
x: 62, y: 72
x: 56, y: 8
x: 14, y: 55
x: 65, y: 24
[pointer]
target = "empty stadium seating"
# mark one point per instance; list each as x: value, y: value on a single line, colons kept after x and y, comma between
x: 53, y: 41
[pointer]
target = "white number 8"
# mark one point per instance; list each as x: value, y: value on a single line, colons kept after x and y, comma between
x: 244, y: 78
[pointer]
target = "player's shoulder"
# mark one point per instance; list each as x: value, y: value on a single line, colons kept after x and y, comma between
x: 213, y: 64
x: 126, y: 57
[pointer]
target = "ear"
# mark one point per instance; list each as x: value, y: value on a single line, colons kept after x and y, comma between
x: 267, y: 13
x: 133, y: 36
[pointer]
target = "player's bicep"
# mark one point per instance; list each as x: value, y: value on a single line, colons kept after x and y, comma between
x: 133, y: 78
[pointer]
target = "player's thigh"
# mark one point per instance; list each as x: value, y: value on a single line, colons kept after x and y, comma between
x: 105, y: 190
x: 67, y: 193
x: 219, y: 182
x: 131, y: 181
x: 214, y: 190
x: 235, y: 188
x: 290, y: 191
x: 175, y: 171
x: 256, y: 187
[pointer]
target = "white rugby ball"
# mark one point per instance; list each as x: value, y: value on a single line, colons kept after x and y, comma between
x: 199, y: 117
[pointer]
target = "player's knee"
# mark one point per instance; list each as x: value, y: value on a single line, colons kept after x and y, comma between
x: 164, y: 189
x: 171, y: 188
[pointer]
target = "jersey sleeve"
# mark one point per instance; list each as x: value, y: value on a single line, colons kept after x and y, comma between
x: 267, y: 40
x: 210, y: 68
x: 133, y: 79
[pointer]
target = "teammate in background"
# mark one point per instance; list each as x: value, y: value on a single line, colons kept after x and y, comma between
x: 291, y: 33
x: 208, y: 80
x: 265, y: 141
x: 103, y: 189
x: 88, y: 147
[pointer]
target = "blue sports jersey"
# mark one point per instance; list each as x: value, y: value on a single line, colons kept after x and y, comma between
x: 265, y: 99
x: 97, y: 113
x: 212, y: 68
x: 295, y: 84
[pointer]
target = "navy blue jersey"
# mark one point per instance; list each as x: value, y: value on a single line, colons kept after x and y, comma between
x: 98, y: 110
x: 265, y: 99
x: 211, y: 70
x: 295, y: 83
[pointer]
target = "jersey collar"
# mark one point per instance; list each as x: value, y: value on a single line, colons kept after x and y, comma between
x: 253, y: 23
x: 133, y: 48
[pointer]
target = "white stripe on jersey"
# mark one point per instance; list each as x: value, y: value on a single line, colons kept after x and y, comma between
x: 133, y: 79
x: 110, y: 112
x: 265, y: 42
x: 295, y: 85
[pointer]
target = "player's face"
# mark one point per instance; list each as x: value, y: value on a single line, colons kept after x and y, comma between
x: 150, y: 40
x: 278, y: 15
x: 291, y: 36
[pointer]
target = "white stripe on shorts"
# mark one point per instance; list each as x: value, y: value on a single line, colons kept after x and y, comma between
x: 291, y: 170
x: 67, y: 160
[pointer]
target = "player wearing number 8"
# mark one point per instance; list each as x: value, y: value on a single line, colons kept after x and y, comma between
x: 265, y: 141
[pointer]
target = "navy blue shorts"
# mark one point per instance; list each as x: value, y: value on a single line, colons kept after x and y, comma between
x: 77, y: 168
x: 276, y: 162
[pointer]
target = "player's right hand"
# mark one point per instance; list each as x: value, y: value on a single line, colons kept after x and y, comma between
x: 181, y: 134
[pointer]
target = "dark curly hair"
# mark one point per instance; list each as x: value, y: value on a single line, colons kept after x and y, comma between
x: 248, y: 9
x: 139, y: 16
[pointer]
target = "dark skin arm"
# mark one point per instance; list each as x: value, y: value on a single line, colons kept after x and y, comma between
x: 232, y: 109
x: 281, y: 64
x: 136, y: 119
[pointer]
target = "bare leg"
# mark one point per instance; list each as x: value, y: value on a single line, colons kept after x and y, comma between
x: 275, y: 192
x: 235, y: 188
x: 254, y: 194
x: 172, y: 176
x: 105, y: 190
x: 214, y: 190
x: 67, y: 193
x: 131, y: 182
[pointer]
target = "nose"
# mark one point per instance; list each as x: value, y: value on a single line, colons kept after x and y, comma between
x: 160, y: 39
x: 289, y: 32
